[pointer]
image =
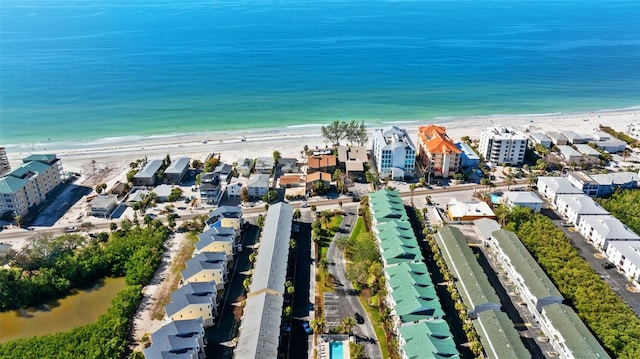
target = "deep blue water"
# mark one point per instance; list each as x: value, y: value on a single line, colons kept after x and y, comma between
x: 84, y: 70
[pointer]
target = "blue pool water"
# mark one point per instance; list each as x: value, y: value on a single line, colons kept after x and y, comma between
x: 495, y: 199
x: 336, y: 350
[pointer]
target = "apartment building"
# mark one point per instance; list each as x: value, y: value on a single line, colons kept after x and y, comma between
x: 501, y: 145
x: 437, y: 154
x: 394, y: 152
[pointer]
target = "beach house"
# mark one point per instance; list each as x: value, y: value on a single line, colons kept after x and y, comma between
x: 575, y: 138
x: 264, y: 165
x: 538, y: 138
x: 193, y: 301
x: 176, y: 170
x: 352, y: 160
x: 226, y: 216
x: 468, y: 211
x: 234, y: 188
x: 551, y: 187
x: 209, y: 267
x: 314, y: 177
x: 569, y: 155
x: 394, y: 153
x: 321, y: 163
x: 102, y: 206
x: 178, y: 339
x: 258, y: 185
x: 557, y: 138
x: 210, y: 188
x: 217, y: 239
x: 469, y: 159
x: 147, y: 176
x: 437, y: 154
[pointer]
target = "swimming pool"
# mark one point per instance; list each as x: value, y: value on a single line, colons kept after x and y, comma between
x: 336, y: 350
x: 495, y: 198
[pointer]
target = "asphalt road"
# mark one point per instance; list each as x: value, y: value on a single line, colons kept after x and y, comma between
x: 347, y: 296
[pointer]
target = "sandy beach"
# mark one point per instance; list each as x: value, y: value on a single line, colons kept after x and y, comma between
x: 290, y: 141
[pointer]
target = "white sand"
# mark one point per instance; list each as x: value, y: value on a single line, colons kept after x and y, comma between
x: 290, y: 141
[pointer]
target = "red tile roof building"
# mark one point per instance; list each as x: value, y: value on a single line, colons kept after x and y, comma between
x: 436, y: 152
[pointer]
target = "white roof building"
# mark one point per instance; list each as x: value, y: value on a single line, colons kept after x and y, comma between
x: 587, y: 150
x: 502, y: 145
x: 551, y: 187
x: 538, y: 138
x: 394, y: 150
x: 573, y: 207
x: 258, y: 184
x: 568, y: 154
x: 626, y: 256
x: 523, y: 199
x: 600, y: 230
x: 468, y: 211
x: 575, y: 138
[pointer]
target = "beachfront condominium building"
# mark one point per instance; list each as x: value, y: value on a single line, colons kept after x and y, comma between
x: 501, y: 145
x: 394, y: 152
x: 4, y: 162
x: 437, y: 154
x: 28, y: 185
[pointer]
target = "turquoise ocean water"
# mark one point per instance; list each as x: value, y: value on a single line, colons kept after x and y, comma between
x: 81, y: 71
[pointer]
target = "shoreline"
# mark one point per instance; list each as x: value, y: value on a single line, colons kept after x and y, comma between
x: 290, y: 140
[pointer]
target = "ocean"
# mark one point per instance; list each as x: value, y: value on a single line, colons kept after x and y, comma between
x: 82, y: 72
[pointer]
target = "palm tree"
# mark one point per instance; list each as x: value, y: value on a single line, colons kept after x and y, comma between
x: 18, y: 220
x: 347, y: 324
x: 317, y: 325
x: 412, y: 187
x: 485, y: 183
x: 509, y: 180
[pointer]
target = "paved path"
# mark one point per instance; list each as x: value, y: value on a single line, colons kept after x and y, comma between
x: 348, y: 297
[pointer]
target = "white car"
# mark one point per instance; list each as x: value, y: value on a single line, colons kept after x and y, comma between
x: 239, y: 247
x: 304, y: 205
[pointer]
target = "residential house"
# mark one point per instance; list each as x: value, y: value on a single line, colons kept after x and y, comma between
x: 499, y: 337
x: 245, y: 167
x: 610, y: 182
x: 626, y: 257
x: 234, y: 188
x: 176, y: 170
x: 538, y: 138
x: 258, y: 185
x: 551, y: 187
x: 568, y: 335
x: 208, y: 267
x: 583, y: 182
x: 210, y: 188
x: 163, y: 192
x: 427, y: 340
x: 522, y: 199
x: 193, y: 301
x: 102, y: 206
x: 611, y: 146
x: 574, y: 206
x: 588, y: 152
x: 473, y: 284
x: 469, y: 159
x: 352, y: 160
x: 557, y: 138
x: 321, y: 163
x: 501, y: 145
x: 223, y: 171
x: 29, y: 184
x: 288, y: 165
x: 226, y: 216
x: 468, y: 211
x: 317, y: 176
x: 136, y: 197
x: 217, y: 239
x: 178, y: 339
x: 575, y: 138
x: 264, y: 165
x: 535, y: 288
x: 394, y: 152
x: 437, y: 154
x: 290, y: 180
x: 148, y: 175
x: 569, y: 155
x: 600, y: 230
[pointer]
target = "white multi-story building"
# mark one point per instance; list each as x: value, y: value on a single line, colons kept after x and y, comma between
x: 626, y: 256
x: 29, y: 184
x: 574, y: 207
x: 394, y: 152
x: 601, y: 230
x: 501, y: 145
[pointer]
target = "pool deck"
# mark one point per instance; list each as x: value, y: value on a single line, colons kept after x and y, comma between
x: 325, y: 350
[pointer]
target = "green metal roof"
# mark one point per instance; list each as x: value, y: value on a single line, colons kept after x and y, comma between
x: 428, y: 340
x: 409, y: 274
x: 399, y: 228
x: 535, y: 278
x: 44, y: 158
x: 394, y: 251
x: 10, y: 184
x: 34, y: 166
x: 577, y: 337
x: 473, y: 283
x: 498, y: 336
x: 387, y: 204
x: 413, y: 308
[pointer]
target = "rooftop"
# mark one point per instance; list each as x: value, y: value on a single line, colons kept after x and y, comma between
x: 610, y: 228
x: 521, y: 197
x: 149, y: 170
x: 581, y: 204
x: 177, y: 166
x: 429, y: 340
x: 499, y: 337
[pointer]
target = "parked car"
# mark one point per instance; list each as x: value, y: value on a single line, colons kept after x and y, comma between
x: 239, y: 247
x: 307, y: 327
x: 71, y: 229
x: 359, y: 318
x: 567, y: 224
x: 304, y: 205
x: 608, y: 265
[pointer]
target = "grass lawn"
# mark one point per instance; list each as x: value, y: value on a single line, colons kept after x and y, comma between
x: 374, y: 317
x: 358, y: 228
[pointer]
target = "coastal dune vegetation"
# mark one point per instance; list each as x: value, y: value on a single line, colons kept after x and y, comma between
x: 55, y: 266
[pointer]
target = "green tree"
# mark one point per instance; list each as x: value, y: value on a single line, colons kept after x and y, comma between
x: 271, y: 196
x: 347, y: 324
x: 335, y: 132
x: 276, y: 157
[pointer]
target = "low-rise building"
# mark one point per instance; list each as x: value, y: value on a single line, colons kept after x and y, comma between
x: 601, y: 230
x: 584, y: 182
x: 176, y: 170
x: 264, y: 165
x: 535, y: 288
x: 352, y: 159
x: 148, y: 175
x: 317, y: 177
x: 569, y: 154
x: 193, y: 301
x: 102, y: 206
x: 290, y: 180
x: 210, y: 188
x: 245, y: 167
x: 163, y: 192
x: 469, y: 159
x: 610, y: 182
x: 522, y: 199
x: 217, y: 239
x: 557, y: 138
x: 485, y: 227
x: 574, y: 207
x: 552, y: 187
x: 258, y: 185
x: 226, y: 216
x: 626, y: 257
x: 289, y: 165
x: 468, y: 211
x: 207, y: 267
x: 587, y: 151
x: 538, y: 138
x: 321, y: 163
x: 178, y: 339
x: 575, y: 138
x: 499, y: 337
x: 611, y: 146
x: 427, y: 340
x: 234, y: 188
x: 477, y: 293
x: 570, y: 338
